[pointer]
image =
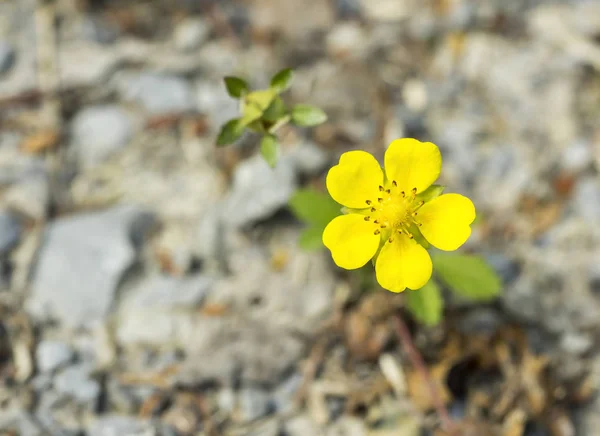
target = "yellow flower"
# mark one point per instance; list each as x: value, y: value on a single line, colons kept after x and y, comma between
x: 386, y: 212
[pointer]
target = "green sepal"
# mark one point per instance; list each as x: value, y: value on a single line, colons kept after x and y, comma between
x: 430, y: 193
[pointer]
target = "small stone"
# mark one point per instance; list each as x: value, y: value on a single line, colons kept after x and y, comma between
x: 116, y: 425
x: 81, y: 262
x: 577, y: 157
x: 586, y: 199
x: 99, y: 132
x: 30, y: 195
x: 254, y: 403
x: 100, y: 30
x: 348, y: 40
x: 481, y: 320
x: 226, y: 400
x: 414, y: 93
x: 285, y: 394
x: 258, y: 191
x: 51, y: 355
x: 301, y: 425
x: 347, y: 426
x: 159, y: 94
x: 75, y: 381
x: 190, y: 34
x: 307, y: 158
x: 7, y: 57
x: 10, y: 232
x: 576, y: 343
x: 269, y: 428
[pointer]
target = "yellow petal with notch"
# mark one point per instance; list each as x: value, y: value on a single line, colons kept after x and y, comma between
x: 412, y: 164
x: 403, y: 264
x: 351, y: 240
x: 445, y: 221
x: 355, y: 179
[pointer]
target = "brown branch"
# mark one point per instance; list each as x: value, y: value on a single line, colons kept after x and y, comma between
x: 419, y: 365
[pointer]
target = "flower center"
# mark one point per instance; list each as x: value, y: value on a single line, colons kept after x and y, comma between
x: 394, y: 210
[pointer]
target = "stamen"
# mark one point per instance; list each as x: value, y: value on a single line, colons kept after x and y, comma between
x: 389, y: 191
x: 373, y: 209
x: 403, y: 194
x: 383, y: 226
x: 380, y: 188
x: 410, y: 235
x: 376, y: 232
x: 391, y: 239
x: 368, y: 202
x: 414, y: 190
x: 367, y: 218
x: 394, y: 184
x: 376, y: 222
x: 414, y: 214
x: 380, y: 200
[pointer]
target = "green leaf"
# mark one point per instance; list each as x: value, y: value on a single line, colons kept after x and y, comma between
x: 313, y: 207
x: 282, y: 80
x: 269, y: 148
x: 468, y: 276
x: 311, y: 238
x: 430, y: 193
x: 304, y: 115
x: 275, y: 111
x: 261, y: 99
x: 426, y: 304
x: 230, y: 132
x: 236, y: 87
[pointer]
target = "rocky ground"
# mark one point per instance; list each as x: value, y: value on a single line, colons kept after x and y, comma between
x: 151, y: 283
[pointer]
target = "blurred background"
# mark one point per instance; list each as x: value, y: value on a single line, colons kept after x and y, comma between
x: 151, y: 283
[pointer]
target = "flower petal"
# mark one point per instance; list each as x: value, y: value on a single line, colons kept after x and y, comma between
x: 412, y: 163
x: 403, y: 264
x: 351, y: 240
x: 446, y: 221
x: 355, y: 179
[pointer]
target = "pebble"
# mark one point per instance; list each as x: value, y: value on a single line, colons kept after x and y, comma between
x: 285, y: 394
x: 254, y: 403
x: 52, y: 355
x: 99, y: 132
x: 7, y: 57
x: 301, y: 425
x: 81, y: 262
x: 258, y: 191
x: 10, y: 232
x: 76, y: 382
x: 190, y: 34
x: 116, y: 425
x: 158, y: 93
x: 586, y: 199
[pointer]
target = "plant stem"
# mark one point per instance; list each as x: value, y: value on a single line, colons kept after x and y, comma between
x: 418, y: 363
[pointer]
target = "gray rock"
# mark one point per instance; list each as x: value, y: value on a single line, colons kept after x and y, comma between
x: 190, y: 34
x: 577, y: 157
x: 258, y: 191
x: 81, y: 262
x: 480, y: 321
x: 212, y: 99
x: 159, y: 93
x: 507, y: 268
x: 17, y: 421
x: 30, y: 195
x: 268, y: 428
x: 285, y: 394
x: 586, y: 199
x: 7, y: 57
x: 301, y: 425
x: 76, y: 382
x: 167, y: 292
x: 115, y: 425
x: 51, y: 355
x: 254, y: 403
x: 100, y: 30
x: 226, y: 400
x: 10, y: 232
x: 100, y: 131
x: 307, y: 158
x: 347, y: 426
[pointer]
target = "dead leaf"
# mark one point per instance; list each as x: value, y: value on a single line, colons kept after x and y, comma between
x: 418, y: 387
x: 514, y: 424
